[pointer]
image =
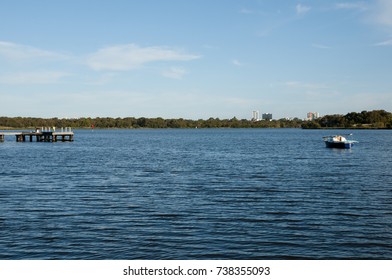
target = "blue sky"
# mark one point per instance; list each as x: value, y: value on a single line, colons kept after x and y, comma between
x: 194, y: 59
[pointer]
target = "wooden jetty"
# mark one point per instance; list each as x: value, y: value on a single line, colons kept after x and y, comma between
x: 39, y: 135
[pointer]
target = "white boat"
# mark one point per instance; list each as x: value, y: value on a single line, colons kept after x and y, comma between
x: 338, y: 141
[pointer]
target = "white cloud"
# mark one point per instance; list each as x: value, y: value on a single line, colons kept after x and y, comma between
x: 302, y: 9
x: 385, y: 43
x: 236, y: 62
x: 131, y: 56
x: 320, y: 46
x: 45, y: 77
x: 302, y: 85
x: 174, y: 73
x: 14, y: 51
x: 246, y: 11
x: 383, y: 12
x: 351, y: 6
x: 24, y: 61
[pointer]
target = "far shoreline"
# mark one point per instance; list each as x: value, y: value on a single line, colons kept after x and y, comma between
x: 376, y: 119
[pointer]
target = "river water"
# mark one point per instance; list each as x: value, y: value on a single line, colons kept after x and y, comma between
x: 197, y: 194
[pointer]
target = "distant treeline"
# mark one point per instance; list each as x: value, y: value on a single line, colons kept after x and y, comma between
x: 365, y: 119
x: 22, y: 122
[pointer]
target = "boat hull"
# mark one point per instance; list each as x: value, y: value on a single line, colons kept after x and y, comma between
x: 339, y: 145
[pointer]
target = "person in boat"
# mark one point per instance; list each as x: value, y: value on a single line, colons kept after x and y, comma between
x: 338, y: 138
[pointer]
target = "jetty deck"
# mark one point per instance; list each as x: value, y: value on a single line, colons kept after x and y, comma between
x: 40, y: 136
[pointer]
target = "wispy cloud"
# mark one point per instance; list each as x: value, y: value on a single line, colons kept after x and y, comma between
x: 44, y: 77
x: 24, y: 61
x: 302, y: 9
x: 303, y: 85
x: 384, y: 43
x: 14, y: 51
x: 383, y: 12
x: 361, y: 6
x: 131, y: 56
x: 320, y: 46
x: 246, y: 11
x: 236, y: 62
x: 174, y: 73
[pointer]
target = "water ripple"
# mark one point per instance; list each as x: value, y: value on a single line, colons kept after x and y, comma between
x: 196, y: 194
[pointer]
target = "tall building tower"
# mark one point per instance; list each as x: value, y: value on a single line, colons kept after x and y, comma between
x: 255, y: 116
x: 267, y: 116
x: 312, y: 116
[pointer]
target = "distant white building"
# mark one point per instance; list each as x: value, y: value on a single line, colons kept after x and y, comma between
x: 255, y: 116
x: 312, y: 116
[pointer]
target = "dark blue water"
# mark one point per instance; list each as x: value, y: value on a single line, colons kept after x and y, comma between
x: 197, y: 194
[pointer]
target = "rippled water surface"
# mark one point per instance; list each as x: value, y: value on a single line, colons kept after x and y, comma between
x: 197, y: 194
